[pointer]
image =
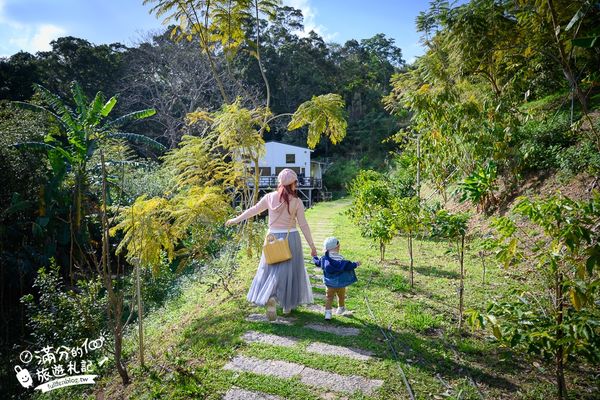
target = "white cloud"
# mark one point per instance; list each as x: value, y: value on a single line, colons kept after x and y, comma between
x: 16, y: 36
x: 44, y: 34
x: 310, y: 15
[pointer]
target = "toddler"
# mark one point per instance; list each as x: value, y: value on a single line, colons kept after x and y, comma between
x: 337, y: 274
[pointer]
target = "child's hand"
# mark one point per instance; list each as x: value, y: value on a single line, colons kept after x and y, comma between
x: 358, y: 263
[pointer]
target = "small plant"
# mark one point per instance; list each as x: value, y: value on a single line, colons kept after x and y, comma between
x: 408, y: 220
x: 220, y: 270
x: 561, y: 320
x: 64, y: 317
x: 454, y: 228
x: 371, y: 209
x: 479, y: 187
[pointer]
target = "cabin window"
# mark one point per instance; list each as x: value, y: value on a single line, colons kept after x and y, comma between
x: 290, y: 158
x: 265, y: 171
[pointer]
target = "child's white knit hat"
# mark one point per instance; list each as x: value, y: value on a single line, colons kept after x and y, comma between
x: 330, y: 243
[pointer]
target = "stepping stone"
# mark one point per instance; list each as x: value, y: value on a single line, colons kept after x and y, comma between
x: 280, y: 369
x: 320, y: 286
x: 241, y: 394
x: 332, y: 350
x: 315, y: 308
x: 275, y: 340
x: 339, y: 383
x: 308, y: 376
x: 263, y: 318
x: 337, y: 330
x: 316, y: 277
x: 314, y: 347
x: 319, y: 296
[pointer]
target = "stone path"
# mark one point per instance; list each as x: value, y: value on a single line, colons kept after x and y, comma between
x: 241, y: 394
x: 327, y: 381
x: 307, y: 375
x: 314, y: 347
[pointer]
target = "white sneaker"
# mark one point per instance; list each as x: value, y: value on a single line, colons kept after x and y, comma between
x: 327, y: 315
x: 286, y: 311
x: 271, y: 310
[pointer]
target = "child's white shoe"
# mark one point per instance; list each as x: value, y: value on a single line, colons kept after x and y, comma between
x: 327, y: 315
x: 271, y: 310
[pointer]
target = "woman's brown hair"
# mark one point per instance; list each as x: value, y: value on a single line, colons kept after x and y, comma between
x: 285, y: 192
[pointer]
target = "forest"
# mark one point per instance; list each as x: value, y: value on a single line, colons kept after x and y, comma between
x: 467, y: 182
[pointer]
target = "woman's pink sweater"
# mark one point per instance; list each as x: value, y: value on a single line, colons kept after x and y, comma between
x: 279, y: 218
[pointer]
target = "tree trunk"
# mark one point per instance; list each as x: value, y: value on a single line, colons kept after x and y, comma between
x: 482, y: 255
x: 559, y: 358
x: 140, y: 312
x: 115, y: 303
x: 461, y: 288
x: 118, y: 332
x: 410, y: 253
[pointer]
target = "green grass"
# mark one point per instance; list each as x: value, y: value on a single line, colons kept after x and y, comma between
x: 190, y: 339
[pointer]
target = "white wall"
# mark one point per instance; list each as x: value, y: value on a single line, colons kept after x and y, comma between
x: 275, y: 157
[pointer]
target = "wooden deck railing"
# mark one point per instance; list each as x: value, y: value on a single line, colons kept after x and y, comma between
x: 303, y: 183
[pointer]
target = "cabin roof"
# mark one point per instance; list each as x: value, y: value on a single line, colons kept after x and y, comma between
x: 289, y: 145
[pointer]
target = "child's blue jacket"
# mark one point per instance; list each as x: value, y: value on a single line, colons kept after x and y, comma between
x: 336, y: 273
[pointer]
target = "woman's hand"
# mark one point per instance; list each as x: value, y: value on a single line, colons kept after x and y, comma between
x: 229, y: 222
x: 313, y: 252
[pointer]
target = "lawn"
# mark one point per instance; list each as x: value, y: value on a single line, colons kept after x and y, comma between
x: 192, y: 337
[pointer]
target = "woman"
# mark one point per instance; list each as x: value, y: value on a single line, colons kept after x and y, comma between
x: 286, y: 282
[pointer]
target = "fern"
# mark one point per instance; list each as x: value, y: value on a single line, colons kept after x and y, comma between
x: 324, y: 115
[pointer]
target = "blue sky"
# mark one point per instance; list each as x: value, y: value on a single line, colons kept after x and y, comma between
x: 30, y: 25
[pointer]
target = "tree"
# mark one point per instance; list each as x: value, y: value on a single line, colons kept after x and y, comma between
x: 454, y: 228
x: 372, y: 208
x: 407, y: 219
x: 560, y: 319
x: 70, y: 145
x: 230, y: 25
x: 172, y: 78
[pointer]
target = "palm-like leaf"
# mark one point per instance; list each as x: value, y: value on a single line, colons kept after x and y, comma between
x: 127, y: 118
x: 94, y: 110
x: 324, y: 115
x: 59, y: 107
x: 34, y: 146
x: 35, y: 108
x: 80, y: 98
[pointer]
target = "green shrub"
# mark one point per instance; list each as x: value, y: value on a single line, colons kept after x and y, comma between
x: 582, y: 157
x: 61, y: 316
x: 540, y: 142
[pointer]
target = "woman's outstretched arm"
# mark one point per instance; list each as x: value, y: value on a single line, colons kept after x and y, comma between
x: 259, y: 207
x: 305, y: 228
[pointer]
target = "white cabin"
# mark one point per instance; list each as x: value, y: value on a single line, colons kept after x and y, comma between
x: 279, y: 156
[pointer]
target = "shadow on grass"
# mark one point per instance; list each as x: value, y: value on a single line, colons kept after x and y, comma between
x: 216, y: 336
x: 430, y: 351
x: 431, y: 360
x: 436, y: 272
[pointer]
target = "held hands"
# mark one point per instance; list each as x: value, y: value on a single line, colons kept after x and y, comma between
x: 313, y: 252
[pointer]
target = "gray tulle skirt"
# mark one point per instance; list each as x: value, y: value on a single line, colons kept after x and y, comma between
x: 287, y: 281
